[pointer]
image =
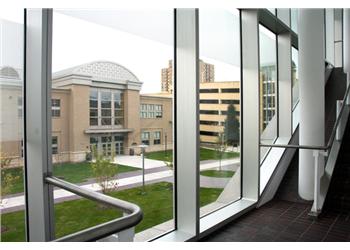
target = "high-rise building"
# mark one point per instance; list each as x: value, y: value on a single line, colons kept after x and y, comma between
x: 207, y: 74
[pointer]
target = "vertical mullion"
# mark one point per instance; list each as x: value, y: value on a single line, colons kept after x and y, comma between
x: 187, y: 121
x: 39, y: 195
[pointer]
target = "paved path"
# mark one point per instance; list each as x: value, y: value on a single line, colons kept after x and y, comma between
x: 129, y: 180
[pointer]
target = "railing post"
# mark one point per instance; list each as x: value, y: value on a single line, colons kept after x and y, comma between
x: 338, y: 129
x: 317, y: 176
x: 347, y: 85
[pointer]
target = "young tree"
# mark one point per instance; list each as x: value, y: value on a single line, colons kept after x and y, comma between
x: 104, y: 171
x: 220, y: 148
x: 8, y: 180
x: 231, y: 126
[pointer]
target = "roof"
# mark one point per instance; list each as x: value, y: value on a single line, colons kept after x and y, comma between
x: 8, y: 72
x: 103, y: 71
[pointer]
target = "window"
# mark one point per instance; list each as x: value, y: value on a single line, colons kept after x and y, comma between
x: 106, y: 108
x: 56, y: 107
x: 208, y: 101
x: 151, y: 111
x: 268, y: 88
x: 54, y: 145
x: 230, y: 91
x: 294, y: 20
x: 20, y: 106
x: 295, y: 77
x: 156, y: 139
x: 230, y: 101
x: 209, y: 91
x: 209, y: 112
x: 118, y: 108
x: 219, y: 48
x: 11, y: 123
x: 145, y: 138
x: 93, y: 107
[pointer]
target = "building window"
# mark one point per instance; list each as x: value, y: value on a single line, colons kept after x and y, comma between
x: 209, y: 101
x: 151, y: 111
x: 157, y: 136
x: 20, y: 106
x: 209, y: 91
x: 118, y: 108
x: 54, y: 145
x: 230, y: 91
x: 106, y: 108
x: 229, y: 101
x: 209, y: 112
x: 208, y: 133
x: 93, y: 107
x: 56, y: 107
x: 213, y: 123
x: 145, y: 138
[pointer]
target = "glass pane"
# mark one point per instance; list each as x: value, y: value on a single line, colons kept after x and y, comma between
x: 219, y: 69
x: 295, y: 77
x: 123, y: 61
x: 268, y: 88
x: 294, y: 20
x: 12, y: 202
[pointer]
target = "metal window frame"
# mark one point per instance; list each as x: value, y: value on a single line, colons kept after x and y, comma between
x: 38, y: 159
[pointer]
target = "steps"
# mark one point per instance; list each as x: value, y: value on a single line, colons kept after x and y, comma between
x: 338, y: 197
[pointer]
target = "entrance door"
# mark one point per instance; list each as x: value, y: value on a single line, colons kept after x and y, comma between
x: 106, y: 143
x: 119, y: 148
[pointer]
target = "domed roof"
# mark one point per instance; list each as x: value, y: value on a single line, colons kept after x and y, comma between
x: 101, y: 71
x: 9, y: 73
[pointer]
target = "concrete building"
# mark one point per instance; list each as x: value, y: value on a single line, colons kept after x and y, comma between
x: 207, y: 74
x: 97, y: 103
x: 215, y: 97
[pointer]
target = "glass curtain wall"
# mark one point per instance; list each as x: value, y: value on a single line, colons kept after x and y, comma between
x: 11, y: 126
x: 107, y: 66
x: 219, y: 97
x: 268, y: 88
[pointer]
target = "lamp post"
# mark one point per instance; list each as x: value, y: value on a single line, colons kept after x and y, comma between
x: 143, y: 148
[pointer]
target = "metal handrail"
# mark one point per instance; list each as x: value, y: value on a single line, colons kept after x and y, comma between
x: 313, y: 147
x: 133, y: 217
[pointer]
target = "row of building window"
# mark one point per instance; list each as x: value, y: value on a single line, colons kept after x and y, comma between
x: 145, y: 138
x: 151, y: 111
x: 215, y: 112
x: 233, y: 90
x: 216, y: 101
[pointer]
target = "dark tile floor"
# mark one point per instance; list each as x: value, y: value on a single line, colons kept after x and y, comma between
x: 285, y: 221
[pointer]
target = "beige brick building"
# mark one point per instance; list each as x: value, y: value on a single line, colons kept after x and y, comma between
x: 99, y: 104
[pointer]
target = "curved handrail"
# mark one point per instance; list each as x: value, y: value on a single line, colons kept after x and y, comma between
x: 133, y: 217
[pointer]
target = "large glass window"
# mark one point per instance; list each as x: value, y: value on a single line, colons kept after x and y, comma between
x: 268, y: 88
x: 56, y: 107
x: 219, y: 115
x: 12, y: 201
x: 295, y: 77
x: 119, y: 68
x: 294, y: 20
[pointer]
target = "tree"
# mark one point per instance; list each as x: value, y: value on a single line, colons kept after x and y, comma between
x: 8, y: 180
x: 220, y: 148
x: 231, y: 126
x: 104, y: 171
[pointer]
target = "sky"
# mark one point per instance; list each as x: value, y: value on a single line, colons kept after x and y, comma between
x: 141, y: 41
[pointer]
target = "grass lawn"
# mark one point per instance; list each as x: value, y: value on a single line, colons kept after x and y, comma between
x: 205, y: 154
x: 72, y: 172
x: 72, y: 216
x: 218, y: 173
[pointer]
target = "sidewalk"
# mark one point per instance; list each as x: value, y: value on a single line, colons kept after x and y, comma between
x: 15, y: 203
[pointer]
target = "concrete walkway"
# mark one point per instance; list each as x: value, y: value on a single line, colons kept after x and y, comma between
x: 129, y: 180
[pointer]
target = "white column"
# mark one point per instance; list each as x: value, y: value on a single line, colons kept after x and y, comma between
x: 346, y: 41
x: 250, y: 100
x: 311, y: 78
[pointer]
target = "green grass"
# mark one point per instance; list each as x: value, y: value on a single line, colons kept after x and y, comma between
x: 72, y: 172
x: 218, y: 173
x: 205, y: 154
x: 72, y: 216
